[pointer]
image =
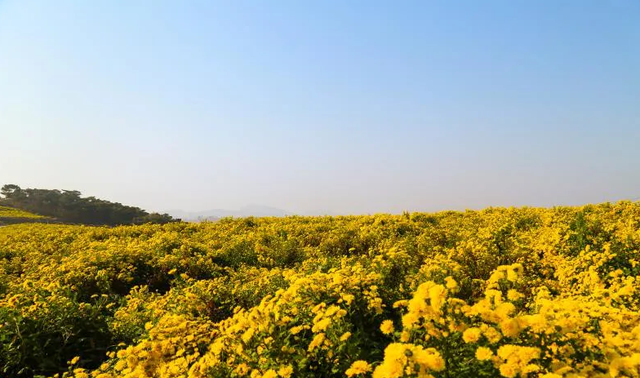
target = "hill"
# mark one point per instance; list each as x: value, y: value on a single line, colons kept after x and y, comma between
x: 68, y: 206
x: 10, y: 212
x: 10, y: 215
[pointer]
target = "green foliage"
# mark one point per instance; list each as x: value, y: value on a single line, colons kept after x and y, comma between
x: 69, y: 207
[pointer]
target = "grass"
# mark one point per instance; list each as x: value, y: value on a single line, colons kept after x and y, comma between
x: 10, y: 212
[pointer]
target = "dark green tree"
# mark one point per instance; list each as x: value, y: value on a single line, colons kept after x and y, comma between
x: 70, y: 207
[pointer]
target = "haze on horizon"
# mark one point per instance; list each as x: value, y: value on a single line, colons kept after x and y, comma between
x: 323, y: 106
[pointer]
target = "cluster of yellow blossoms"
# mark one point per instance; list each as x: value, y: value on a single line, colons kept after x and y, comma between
x: 495, y: 293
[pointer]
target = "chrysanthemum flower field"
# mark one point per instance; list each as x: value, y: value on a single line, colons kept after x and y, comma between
x: 503, y: 292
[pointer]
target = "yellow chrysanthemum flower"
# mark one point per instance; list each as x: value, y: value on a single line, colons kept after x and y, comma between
x: 357, y: 368
x: 387, y: 327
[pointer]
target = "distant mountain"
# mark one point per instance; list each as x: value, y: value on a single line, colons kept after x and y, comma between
x: 320, y: 213
x: 263, y: 211
x: 247, y: 211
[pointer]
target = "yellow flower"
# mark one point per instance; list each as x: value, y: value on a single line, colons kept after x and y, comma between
x: 357, y: 368
x: 348, y: 298
x: 510, y: 327
x: 295, y: 330
x: 242, y: 369
x: 437, y: 295
x: 450, y: 283
x: 428, y: 358
x: 285, y: 371
x: 80, y: 373
x: 514, y: 295
x: 508, y: 370
x: 492, y: 334
x: 321, y: 325
x: 270, y: 374
x: 345, y: 336
x: 120, y: 365
x: 484, y: 354
x: 471, y: 335
x: 317, y: 340
x: 401, y: 303
x: 247, y: 335
x: 387, y: 327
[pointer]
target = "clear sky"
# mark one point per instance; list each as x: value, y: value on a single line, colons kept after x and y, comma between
x: 342, y: 106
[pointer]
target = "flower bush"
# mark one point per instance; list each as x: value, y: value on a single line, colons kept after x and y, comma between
x: 503, y: 292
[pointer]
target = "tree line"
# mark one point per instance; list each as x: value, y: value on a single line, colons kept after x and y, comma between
x: 68, y: 206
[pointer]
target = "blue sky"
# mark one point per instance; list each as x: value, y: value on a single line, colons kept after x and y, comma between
x: 331, y: 106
